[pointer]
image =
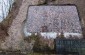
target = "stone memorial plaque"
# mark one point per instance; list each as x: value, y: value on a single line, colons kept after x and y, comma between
x: 53, y: 19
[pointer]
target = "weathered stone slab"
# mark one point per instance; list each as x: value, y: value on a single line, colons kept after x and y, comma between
x: 55, y: 18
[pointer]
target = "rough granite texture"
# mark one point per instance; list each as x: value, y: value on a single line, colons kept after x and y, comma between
x: 56, y: 18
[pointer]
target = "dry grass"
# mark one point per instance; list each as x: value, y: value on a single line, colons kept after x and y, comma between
x: 39, y: 54
x: 6, y: 23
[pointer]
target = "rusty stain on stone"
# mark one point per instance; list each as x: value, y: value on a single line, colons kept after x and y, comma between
x: 56, y: 18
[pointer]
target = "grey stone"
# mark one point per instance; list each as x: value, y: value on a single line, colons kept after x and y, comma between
x: 56, y: 18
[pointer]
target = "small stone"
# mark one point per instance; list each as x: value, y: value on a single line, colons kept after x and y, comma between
x: 41, y: 1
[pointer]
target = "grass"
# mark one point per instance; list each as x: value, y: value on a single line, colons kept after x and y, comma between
x: 39, y: 54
